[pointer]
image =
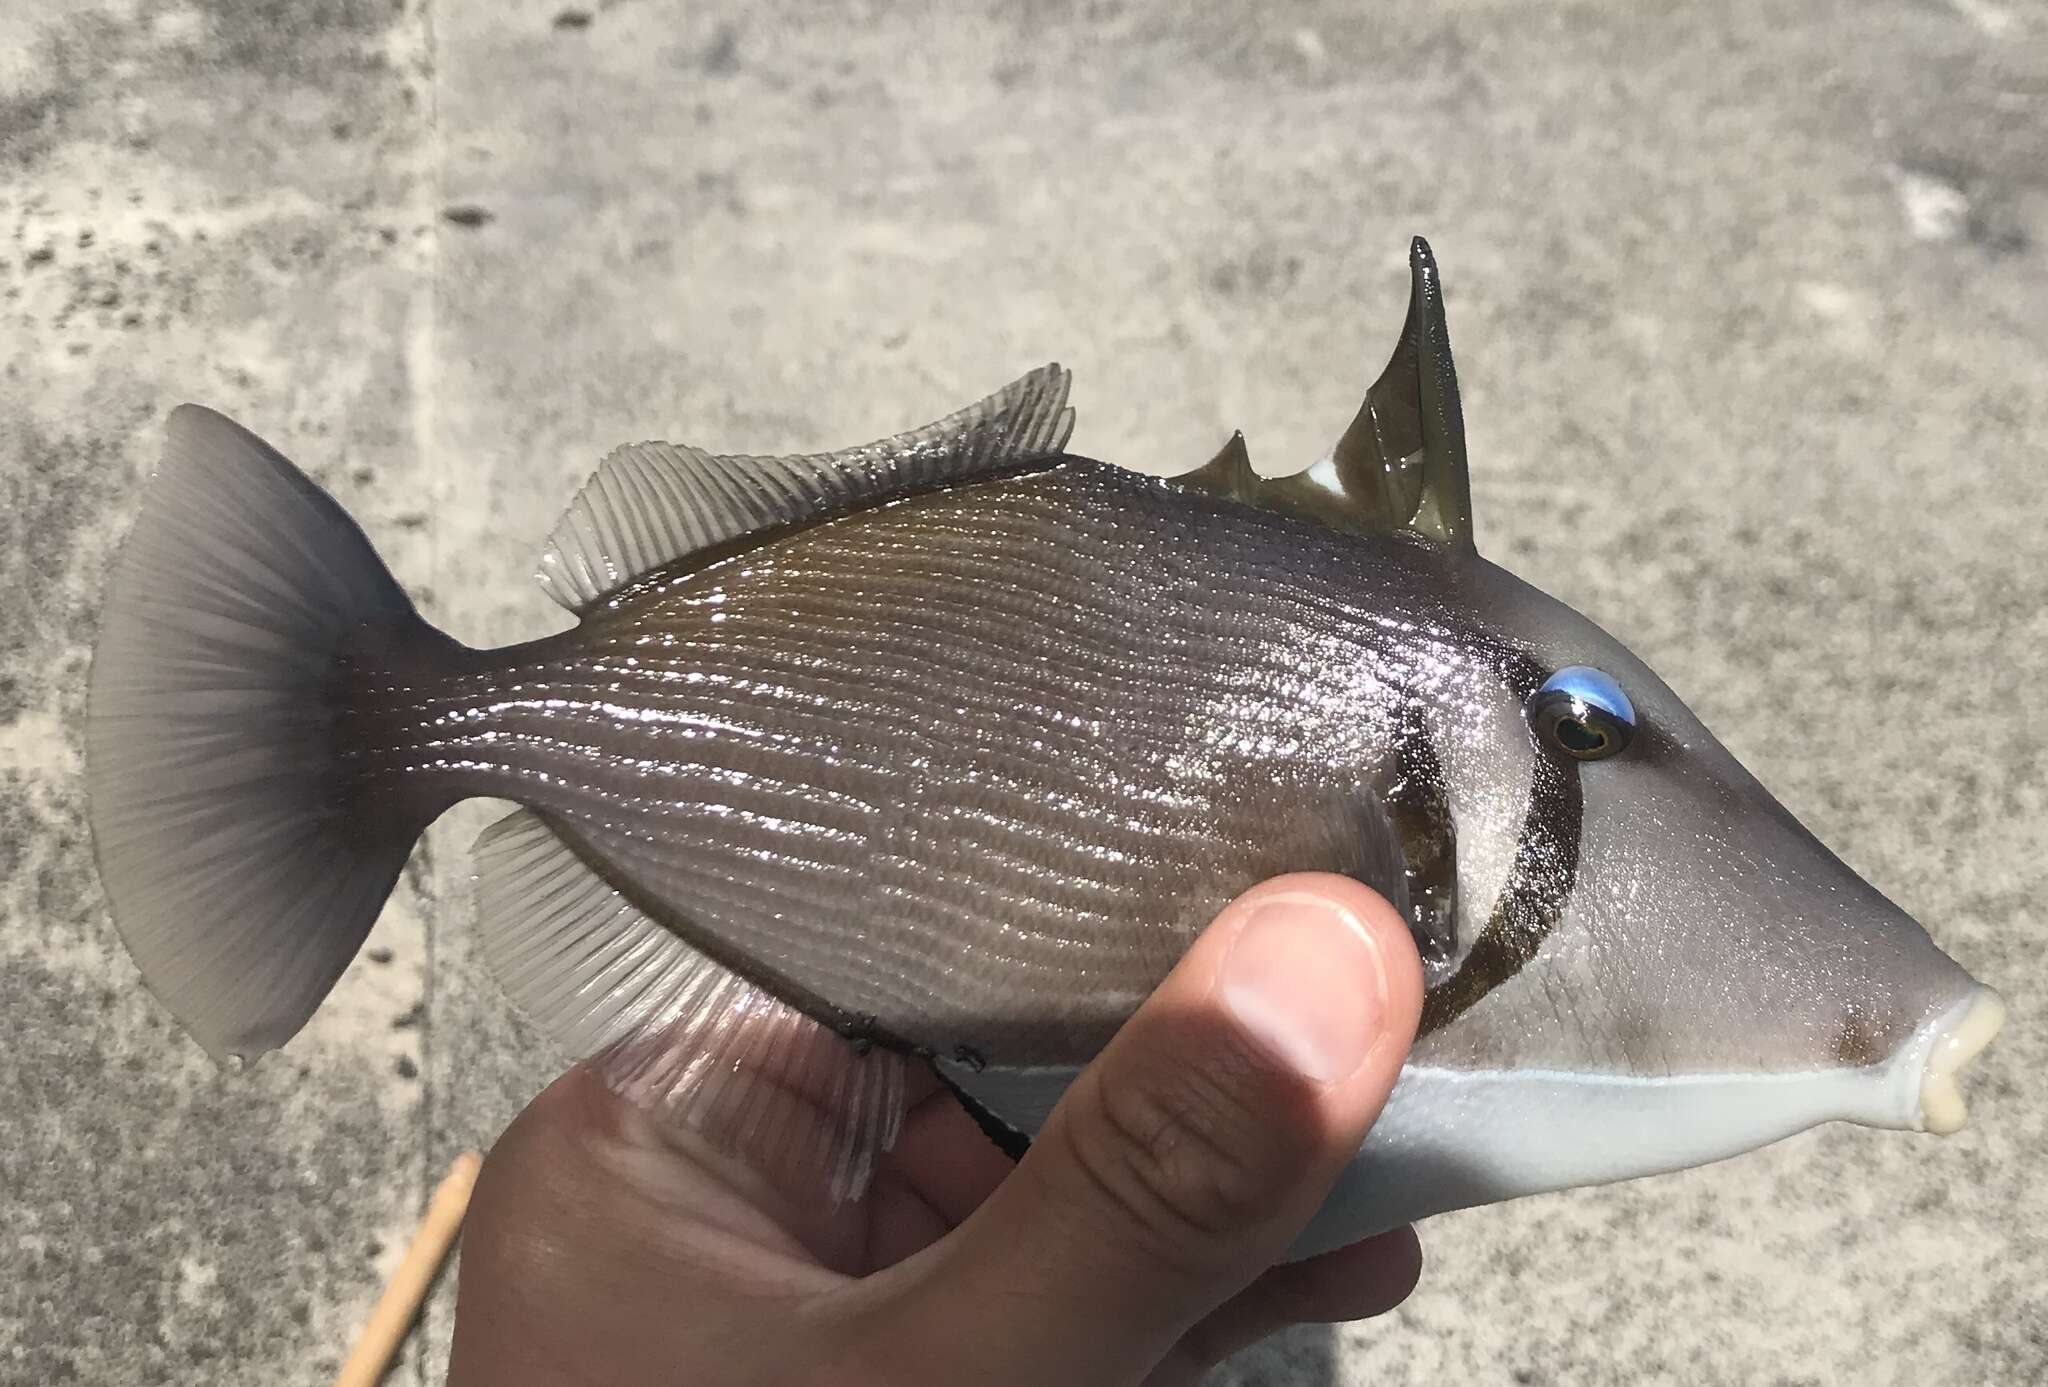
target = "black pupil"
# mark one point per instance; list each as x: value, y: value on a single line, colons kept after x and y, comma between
x: 1576, y: 736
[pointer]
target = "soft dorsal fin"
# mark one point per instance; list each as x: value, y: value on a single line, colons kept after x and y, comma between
x: 650, y: 505
x: 1401, y: 463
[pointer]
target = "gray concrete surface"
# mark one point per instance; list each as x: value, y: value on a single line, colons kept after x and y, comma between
x: 1751, y: 309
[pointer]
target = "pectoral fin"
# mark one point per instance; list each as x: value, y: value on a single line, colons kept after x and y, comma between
x: 1300, y: 819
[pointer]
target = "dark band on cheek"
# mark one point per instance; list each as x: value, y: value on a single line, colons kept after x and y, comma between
x: 1540, y: 882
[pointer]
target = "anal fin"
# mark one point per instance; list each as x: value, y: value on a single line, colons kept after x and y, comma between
x: 674, y: 1031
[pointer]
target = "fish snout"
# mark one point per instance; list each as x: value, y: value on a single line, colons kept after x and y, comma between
x: 1945, y: 1044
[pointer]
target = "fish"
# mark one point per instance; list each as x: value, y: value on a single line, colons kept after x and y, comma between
x: 940, y: 751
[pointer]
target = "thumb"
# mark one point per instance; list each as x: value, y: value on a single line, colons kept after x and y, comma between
x: 1186, y: 1159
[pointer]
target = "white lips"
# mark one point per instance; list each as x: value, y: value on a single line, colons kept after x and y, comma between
x: 1957, y: 1037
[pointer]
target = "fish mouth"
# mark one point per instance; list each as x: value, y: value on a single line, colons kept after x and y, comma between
x: 1953, y: 1039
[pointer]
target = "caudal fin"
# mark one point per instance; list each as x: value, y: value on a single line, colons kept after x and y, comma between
x: 240, y: 871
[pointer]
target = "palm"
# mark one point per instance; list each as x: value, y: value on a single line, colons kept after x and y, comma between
x: 941, y: 1167
x: 609, y: 1243
x: 618, y: 1239
x: 610, y: 1234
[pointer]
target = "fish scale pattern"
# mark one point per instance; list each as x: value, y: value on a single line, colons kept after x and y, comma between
x: 976, y: 765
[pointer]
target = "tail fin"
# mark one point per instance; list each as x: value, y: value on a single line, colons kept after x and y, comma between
x: 240, y: 875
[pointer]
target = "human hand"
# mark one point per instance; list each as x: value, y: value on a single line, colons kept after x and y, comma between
x: 1134, y: 1243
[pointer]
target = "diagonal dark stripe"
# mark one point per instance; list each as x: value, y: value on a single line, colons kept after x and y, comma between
x: 1540, y: 881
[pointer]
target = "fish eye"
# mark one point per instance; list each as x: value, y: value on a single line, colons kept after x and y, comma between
x: 1583, y: 713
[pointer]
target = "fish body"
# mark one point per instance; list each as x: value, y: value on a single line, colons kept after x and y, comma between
x: 943, y: 751
x: 976, y: 766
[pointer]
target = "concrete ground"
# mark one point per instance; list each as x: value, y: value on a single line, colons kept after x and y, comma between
x: 1752, y: 308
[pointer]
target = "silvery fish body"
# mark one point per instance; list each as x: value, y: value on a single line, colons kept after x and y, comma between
x: 941, y: 751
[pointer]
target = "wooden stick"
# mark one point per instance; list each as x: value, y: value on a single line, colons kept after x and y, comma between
x: 396, y: 1309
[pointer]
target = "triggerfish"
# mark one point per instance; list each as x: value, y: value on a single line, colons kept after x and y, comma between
x: 939, y: 751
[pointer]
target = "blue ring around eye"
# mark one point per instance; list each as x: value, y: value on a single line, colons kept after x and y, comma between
x: 1595, y: 688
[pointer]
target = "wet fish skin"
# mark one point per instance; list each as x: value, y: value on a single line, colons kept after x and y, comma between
x: 948, y: 745
x: 979, y: 764
x: 976, y: 765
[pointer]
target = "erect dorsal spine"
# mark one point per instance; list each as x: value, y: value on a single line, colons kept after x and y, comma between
x: 1401, y: 463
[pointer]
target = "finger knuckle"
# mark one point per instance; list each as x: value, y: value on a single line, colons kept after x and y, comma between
x: 1179, y: 1156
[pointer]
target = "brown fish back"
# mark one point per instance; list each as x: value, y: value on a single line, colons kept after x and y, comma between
x: 966, y: 771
